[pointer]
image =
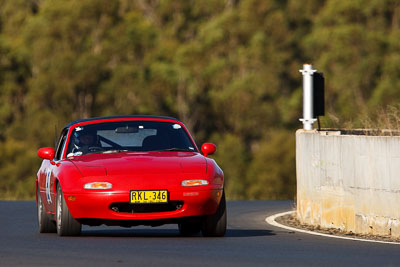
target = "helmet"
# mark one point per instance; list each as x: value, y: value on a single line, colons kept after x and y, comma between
x: 80, y: 140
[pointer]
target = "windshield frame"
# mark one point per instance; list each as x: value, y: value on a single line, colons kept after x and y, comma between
x: 72, y: 127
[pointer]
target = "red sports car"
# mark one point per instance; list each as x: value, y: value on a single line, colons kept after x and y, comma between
x: 127, y: 171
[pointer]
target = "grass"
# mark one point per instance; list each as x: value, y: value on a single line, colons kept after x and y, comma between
x: 382, y: 122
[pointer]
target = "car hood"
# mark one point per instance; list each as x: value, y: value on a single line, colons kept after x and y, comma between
x: 135, y: 163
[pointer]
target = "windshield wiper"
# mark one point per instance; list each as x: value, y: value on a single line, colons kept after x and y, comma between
x: 115, y: 151
x: 176, y: 149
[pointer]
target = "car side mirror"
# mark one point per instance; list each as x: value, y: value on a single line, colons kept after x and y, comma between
x: 46, y: 153
x: 208, y: 149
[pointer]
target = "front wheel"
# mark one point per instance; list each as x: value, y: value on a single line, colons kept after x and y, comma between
x: 215, y: 225
x: 46, y: 224
x: 66, y: 224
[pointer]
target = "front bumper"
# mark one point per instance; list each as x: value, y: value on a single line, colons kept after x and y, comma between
x: 98, y: 205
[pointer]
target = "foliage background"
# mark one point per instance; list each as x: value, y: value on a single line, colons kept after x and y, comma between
x: 227, y: 68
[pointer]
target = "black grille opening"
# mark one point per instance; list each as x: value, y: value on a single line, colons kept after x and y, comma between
x: 126, y: 207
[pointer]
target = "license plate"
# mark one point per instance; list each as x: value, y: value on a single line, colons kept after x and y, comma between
x: 148, y: 196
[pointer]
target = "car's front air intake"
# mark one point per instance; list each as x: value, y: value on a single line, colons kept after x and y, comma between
x: 126, y: 207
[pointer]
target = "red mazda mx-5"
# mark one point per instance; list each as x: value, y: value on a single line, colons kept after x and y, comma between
x: 127, y: 171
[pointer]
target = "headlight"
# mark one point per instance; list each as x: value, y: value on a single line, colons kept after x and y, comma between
x: 194, y: 182
x: 98, y: 185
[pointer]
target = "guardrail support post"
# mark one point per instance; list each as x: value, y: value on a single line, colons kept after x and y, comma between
x: 308, y: 110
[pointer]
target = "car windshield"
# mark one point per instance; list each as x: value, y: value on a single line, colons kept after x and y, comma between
x: 124, y: 136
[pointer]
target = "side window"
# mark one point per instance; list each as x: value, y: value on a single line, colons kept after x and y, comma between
x: 61, y: 144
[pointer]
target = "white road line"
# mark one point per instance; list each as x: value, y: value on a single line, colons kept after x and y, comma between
x: 271, y: 221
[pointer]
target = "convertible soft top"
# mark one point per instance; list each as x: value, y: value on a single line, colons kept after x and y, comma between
x: 120, y: 117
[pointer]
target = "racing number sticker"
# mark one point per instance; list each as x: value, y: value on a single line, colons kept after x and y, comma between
x: 48, y: 175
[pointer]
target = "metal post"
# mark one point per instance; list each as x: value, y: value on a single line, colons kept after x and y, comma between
x: 308, y: 110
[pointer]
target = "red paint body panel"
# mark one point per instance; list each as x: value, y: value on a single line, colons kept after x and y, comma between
x: 131, y: 171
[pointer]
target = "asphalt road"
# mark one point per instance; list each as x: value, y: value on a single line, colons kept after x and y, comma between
x: 250, y: 241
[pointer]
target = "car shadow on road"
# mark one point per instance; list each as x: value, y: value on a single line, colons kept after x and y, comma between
x: 168, y: 233
x: 248, y: 232
x: 131, y: 233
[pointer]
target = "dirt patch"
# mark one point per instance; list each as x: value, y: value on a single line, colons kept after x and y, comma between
x: 292, y: 221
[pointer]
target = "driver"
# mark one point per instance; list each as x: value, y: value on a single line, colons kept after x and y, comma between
x: 83, y: 140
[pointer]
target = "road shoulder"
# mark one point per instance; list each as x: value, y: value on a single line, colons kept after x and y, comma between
x: 282, y: 220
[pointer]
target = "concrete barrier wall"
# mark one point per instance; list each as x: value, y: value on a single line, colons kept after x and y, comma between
x: 351, y: 182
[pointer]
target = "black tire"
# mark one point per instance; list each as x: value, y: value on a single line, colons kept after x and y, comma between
x: 66, y: 224
x: 215, y: 225
x: 189, y: 229
x: 45, y: 223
